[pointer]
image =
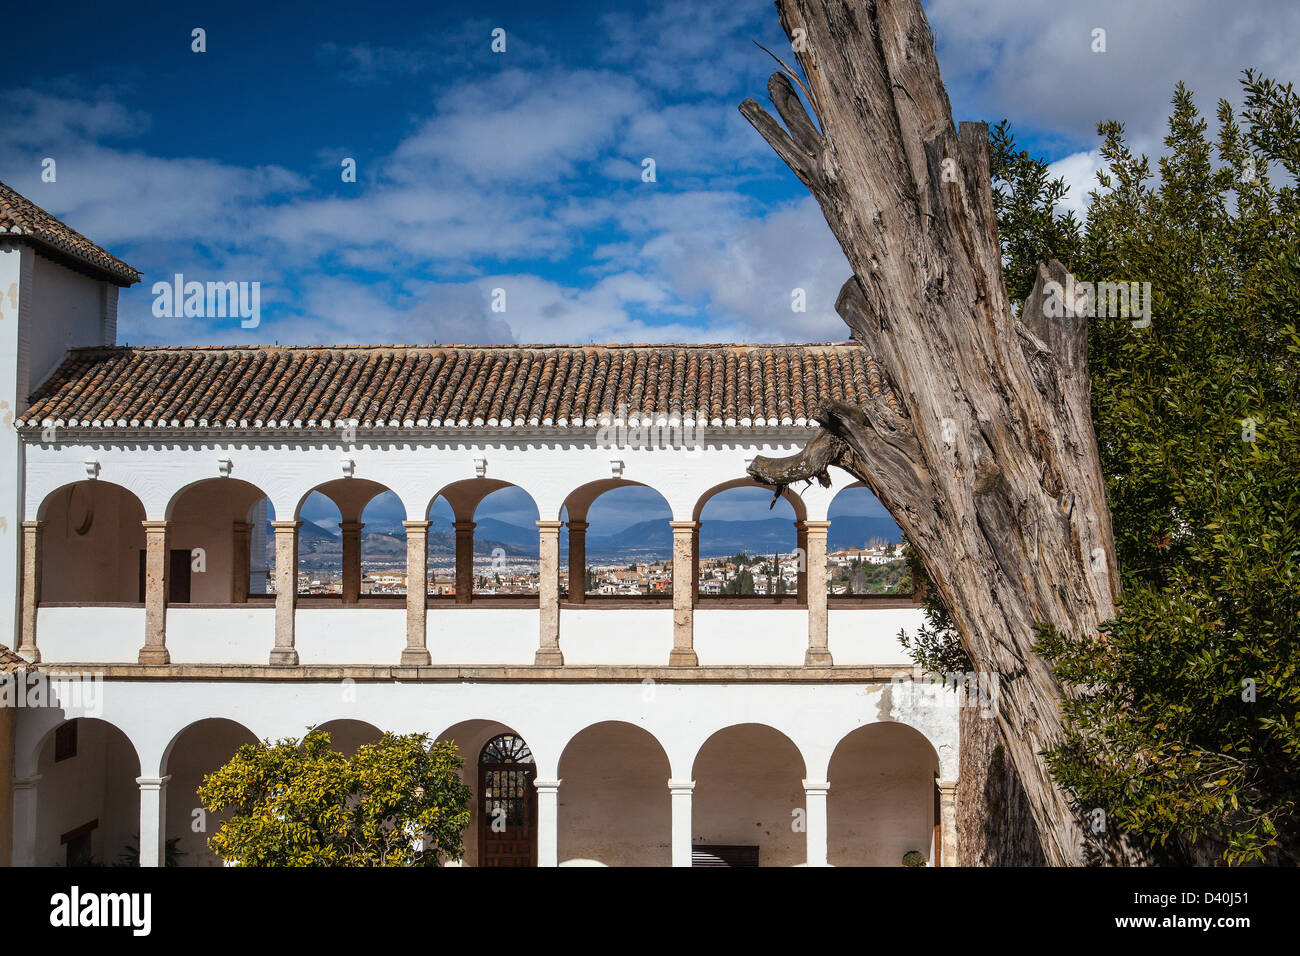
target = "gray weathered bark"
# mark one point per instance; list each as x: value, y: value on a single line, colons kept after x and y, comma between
x: 989, y: 461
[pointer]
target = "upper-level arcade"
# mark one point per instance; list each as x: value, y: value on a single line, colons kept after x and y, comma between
x: 150, y: 475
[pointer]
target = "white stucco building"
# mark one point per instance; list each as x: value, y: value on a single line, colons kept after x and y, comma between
x: 622, y: 729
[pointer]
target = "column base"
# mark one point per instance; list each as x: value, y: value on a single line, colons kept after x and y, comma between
x: 683, y: 657
x: 285, y: 655
x: 553, y: 658
x: 29, y: 653
x: 817, y: 658
x: 153, y: 654
x: 416, y: 657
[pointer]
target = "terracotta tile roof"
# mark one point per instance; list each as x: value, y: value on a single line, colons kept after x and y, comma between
x: 10, y: 663
x: 448, y: 386
x: 20, y: 216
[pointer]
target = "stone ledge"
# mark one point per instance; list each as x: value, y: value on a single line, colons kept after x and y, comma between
x: 875, y: 674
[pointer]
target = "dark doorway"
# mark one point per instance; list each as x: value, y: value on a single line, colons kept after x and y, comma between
x: 507, y: 830
x: 178, y: 575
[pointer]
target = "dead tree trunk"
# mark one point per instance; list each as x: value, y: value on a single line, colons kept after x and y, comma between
x: 988, y: 462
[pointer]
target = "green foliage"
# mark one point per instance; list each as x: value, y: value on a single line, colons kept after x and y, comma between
x: 300, y: 803
x: 1184, y: 727
x: 1186, y: 731
x: 1024, y: 200
x: 130, y: 855
x: 914, y: 858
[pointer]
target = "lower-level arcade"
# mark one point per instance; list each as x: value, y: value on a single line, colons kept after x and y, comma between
x: 614, y: 773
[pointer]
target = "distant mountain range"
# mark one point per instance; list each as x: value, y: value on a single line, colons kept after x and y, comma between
x: 645, y: 540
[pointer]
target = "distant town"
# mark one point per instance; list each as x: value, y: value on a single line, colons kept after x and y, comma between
x: 875, y: 568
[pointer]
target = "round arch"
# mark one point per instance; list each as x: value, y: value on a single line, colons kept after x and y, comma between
x: 198, y: 749
x: 88, y: 806
x: 749, y: 795
x: 882, y: 802
x: 222, y: 524
x: 470, y: 737
x: 92, y: 544
x: 656, y: 578
x: 347, y: 734
x: 797, y: 503
x: 614, y: 804
x: 501, y: 574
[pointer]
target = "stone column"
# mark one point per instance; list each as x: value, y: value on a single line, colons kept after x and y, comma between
x: 548, y: 593
x: 695, y: 565
x: 417, y: 573
x: 801, y: 577
x: 153, y: 820
x: 815, y: 810
x: 681, y: 825
x: 819, y: 654
x: 26, y: 794
x: 684, y: 585
x: 351, y: 560
x: 948, y: 822
x: 155, y: 594
x: 286, y: 590
x: 32, y: 534
x: 464, y: 561
x: 548, y: 821
x: 241, y: 562
x: 578, y: 561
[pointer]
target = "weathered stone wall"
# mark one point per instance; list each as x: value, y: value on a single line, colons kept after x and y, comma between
x: 994, y: 827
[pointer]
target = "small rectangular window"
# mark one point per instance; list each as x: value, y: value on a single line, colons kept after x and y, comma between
x: 65, y: 741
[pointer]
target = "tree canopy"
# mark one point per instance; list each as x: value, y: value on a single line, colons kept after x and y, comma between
x: 396, y: 802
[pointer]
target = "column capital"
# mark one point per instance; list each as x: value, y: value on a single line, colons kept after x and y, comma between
x: 416, y: 525
x: 33, y: 525
x: 811, y: 787
x: 26, y: 783
x: 947, y: 786
x: 681, y: 786
x: 242, y: 527
x: 155, y: 526
x: 286, y: 525
x: 153, y: 783
x: 351, y: 527
x: 578, y: 525
x: 814, y: 527
x: 683, y: 525
x: 463, y: 527
x: 547, y: 786
x: 550, y: 526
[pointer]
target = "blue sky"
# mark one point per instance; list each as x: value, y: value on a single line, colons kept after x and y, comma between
x: 522, y: 170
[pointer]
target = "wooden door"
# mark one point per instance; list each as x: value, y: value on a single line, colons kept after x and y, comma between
x: 507, y: 831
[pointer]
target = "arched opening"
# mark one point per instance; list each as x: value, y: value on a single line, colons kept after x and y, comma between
x: 92, y: 545
x: 881, y: 804
x: 864, y: 549
x: 347, y: 735
x: 483, y: 543
x: 748, y: 549
x: 88, y: 807
x: 508, y: 824
x: 483, y: 844
x: 616, y: 544
x: 614, y: 805
x: 334, y: 536
x: 218, y: 528
x: 748, y: 799
x: 200, y: 749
